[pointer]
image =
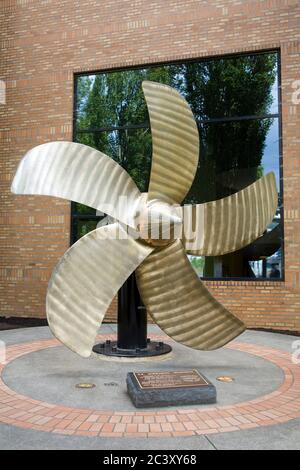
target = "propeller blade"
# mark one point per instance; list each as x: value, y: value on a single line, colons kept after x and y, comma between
x: 229, y: 224
x: 86, y: 280
x: 79, y: 173
x: 175, y: 143
x: 180, y: 304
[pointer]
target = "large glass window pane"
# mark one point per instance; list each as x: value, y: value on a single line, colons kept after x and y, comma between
x: 233, y: 155
x: 116, y: 99
x: 229, y: 87
x: 235, y: 102
x: 219, y: 88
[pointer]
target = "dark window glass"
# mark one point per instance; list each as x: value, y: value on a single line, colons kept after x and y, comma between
x: 85, y: 226
x: 81, y: 209
x: 233, y: 155
x: 220, y: 88
x: 235, y: 102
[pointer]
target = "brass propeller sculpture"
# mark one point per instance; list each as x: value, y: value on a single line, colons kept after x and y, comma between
x: 92, y: 270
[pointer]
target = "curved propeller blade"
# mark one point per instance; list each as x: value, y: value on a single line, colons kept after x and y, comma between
x: 86, y: 280
x: 175, y: 143
x: 229, y: 224
x: 180, y: 303
x: 79, y: 173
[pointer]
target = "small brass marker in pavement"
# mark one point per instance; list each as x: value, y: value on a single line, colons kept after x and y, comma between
x: 85, y: 385
x: 225, y: 378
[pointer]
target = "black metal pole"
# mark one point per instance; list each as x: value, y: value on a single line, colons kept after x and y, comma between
x: 132, y: 317
x: 132, y: 338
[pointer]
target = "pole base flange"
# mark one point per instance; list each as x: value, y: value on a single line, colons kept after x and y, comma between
x: 154, y: 348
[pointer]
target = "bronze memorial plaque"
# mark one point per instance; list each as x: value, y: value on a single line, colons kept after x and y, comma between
x: 171, y: 379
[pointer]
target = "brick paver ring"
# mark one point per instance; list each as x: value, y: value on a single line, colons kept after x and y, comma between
x: 277, y: 407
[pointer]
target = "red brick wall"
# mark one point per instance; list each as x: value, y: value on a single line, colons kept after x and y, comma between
x: 43, y: 42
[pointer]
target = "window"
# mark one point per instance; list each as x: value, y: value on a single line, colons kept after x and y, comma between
x: 236, y: 104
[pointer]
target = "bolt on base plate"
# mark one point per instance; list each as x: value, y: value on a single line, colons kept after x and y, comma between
x: 154, y: 348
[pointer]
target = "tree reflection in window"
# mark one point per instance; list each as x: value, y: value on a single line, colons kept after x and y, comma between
x: 235, y: 103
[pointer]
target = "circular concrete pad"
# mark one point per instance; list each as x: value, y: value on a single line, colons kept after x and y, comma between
x: 37, y: 388
x: 51, y: 375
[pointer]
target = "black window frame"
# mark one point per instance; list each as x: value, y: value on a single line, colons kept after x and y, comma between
x: 75, y: 217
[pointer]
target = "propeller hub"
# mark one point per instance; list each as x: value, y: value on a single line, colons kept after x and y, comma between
x: 159, y: 224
